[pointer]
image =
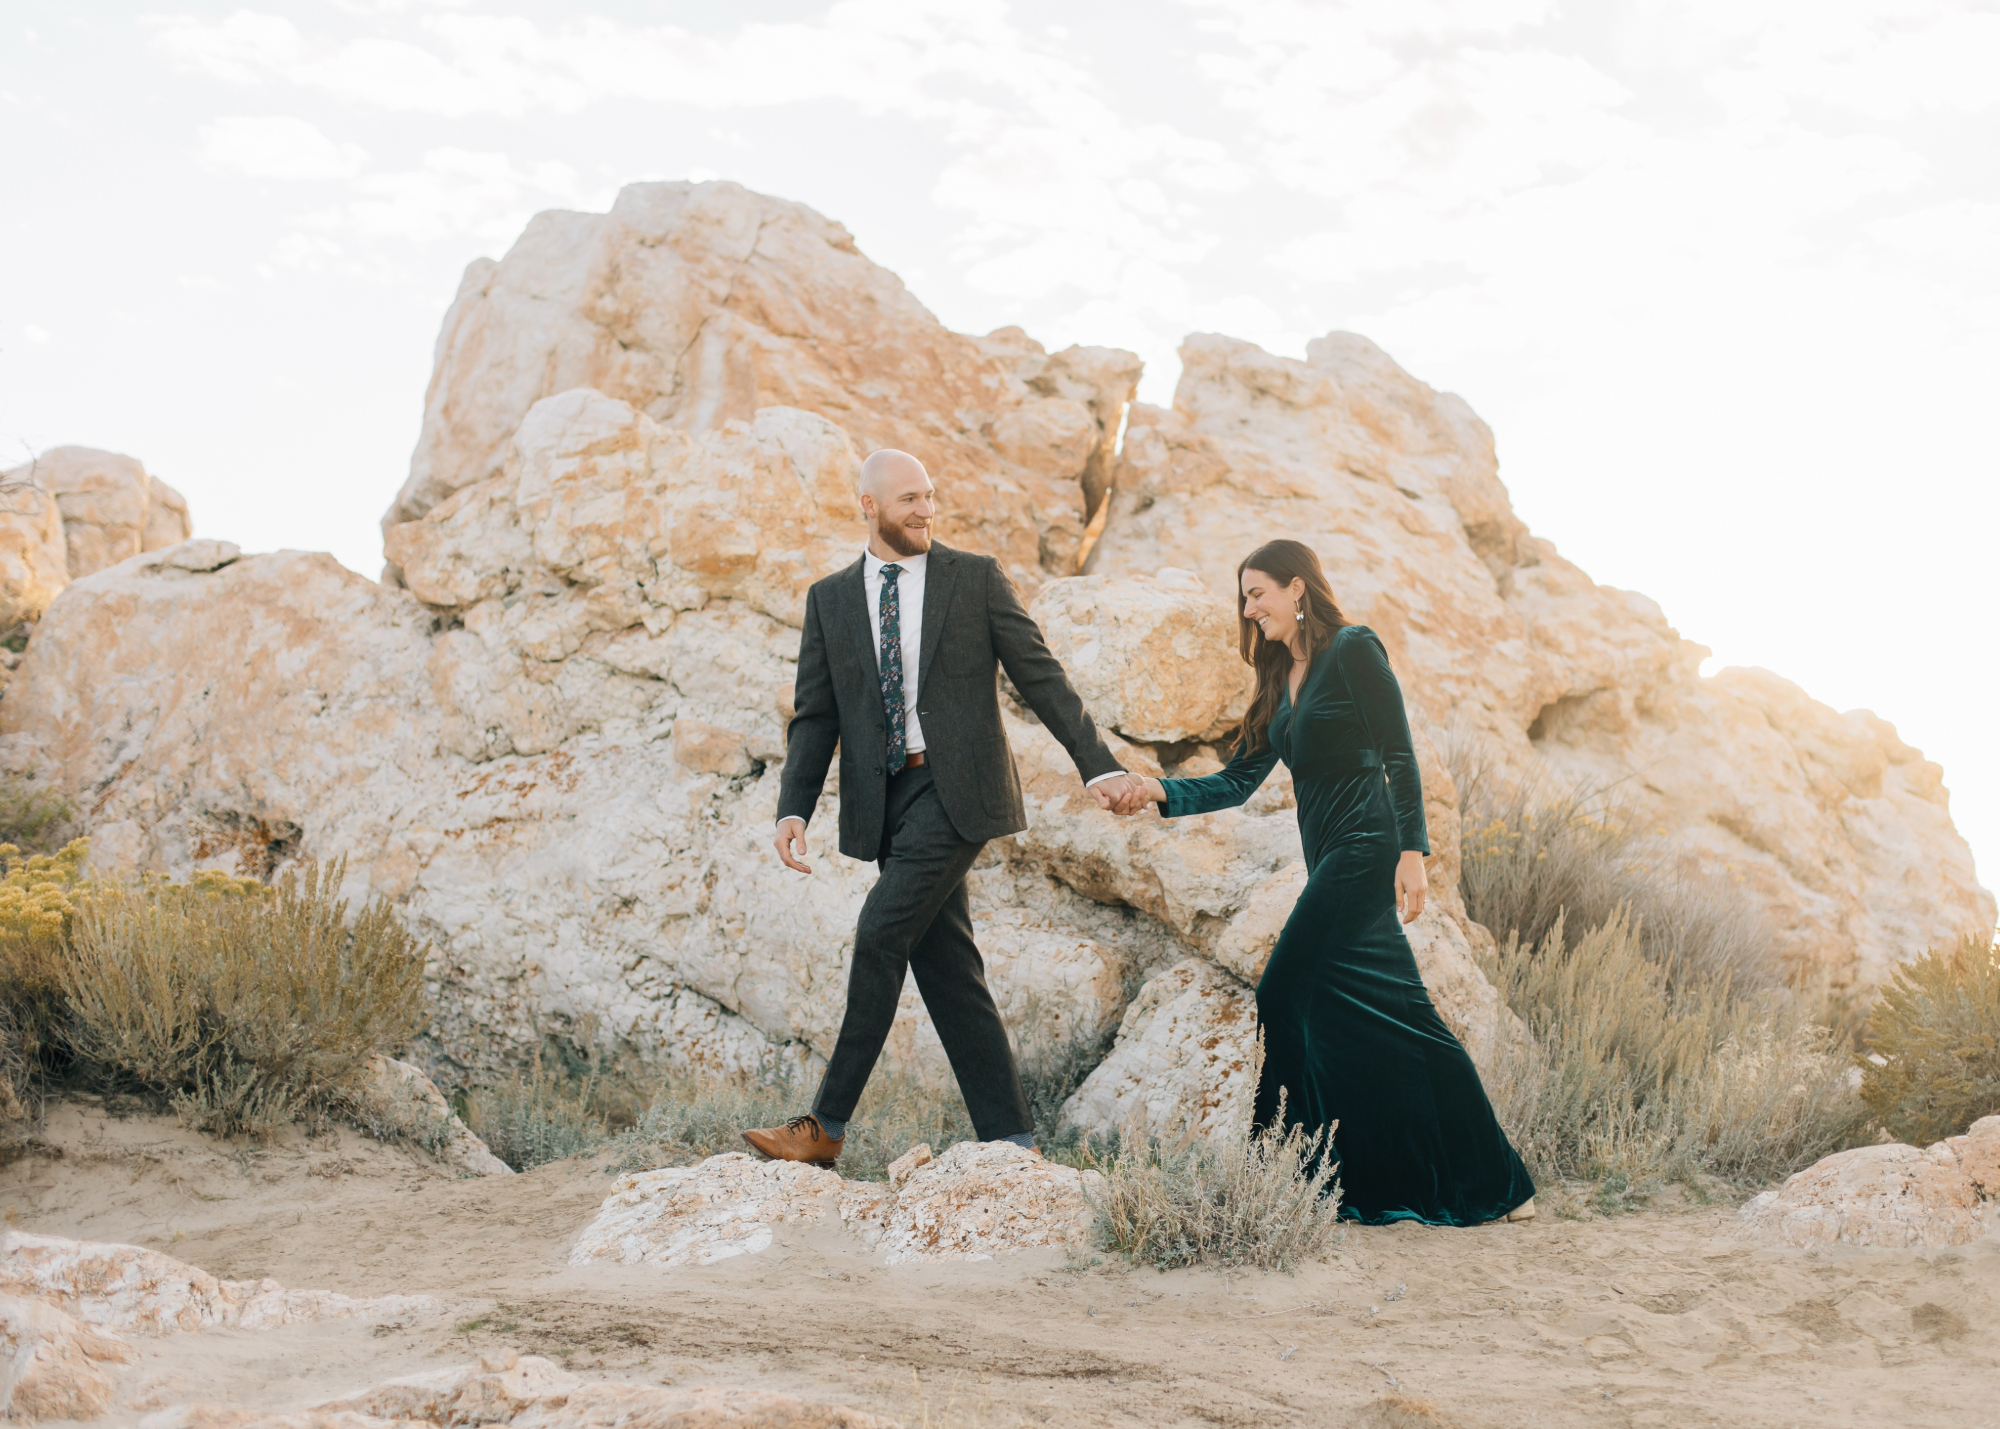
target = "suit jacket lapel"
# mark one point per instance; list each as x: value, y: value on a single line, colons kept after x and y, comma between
x: 940, y: 580
x: 852, y: 605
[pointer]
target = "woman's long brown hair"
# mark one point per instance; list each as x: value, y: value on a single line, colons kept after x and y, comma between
x: 1319, y: 617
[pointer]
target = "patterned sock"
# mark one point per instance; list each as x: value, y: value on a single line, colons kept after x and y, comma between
x: 832, y: 1126
x: 1022, y: 1138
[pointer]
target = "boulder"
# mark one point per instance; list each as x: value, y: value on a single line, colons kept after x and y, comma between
x: 34, y: 559
x: 129, y: 1288
x: 1839, y: 830
x: 54, y: 1363
x: 1154, y: 657
x: 111, y: 508
x: 982, y: 1199
x: 701, y: 304
x: 397, y: 1100
x: 1893, y: 1196
x: 1185, y: 1062
x: 723, y: 1207
x: 977, y: 1200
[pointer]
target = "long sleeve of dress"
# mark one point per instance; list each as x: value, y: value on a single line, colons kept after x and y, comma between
x: 1224, y: 789
x: 1364, y: 665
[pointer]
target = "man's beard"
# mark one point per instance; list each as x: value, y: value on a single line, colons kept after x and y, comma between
x: 905, y: 540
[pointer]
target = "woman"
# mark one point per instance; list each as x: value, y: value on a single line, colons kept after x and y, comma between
x: 1350, y: 1035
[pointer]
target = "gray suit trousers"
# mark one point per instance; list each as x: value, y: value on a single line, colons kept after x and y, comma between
x: 918, y: 917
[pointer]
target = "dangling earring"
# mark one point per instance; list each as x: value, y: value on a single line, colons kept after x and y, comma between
x: 1299, y: 610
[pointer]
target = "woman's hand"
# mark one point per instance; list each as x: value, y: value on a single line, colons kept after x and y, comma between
x: 1411, y: 885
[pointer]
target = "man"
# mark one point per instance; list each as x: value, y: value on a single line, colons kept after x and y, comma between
x: 897, y: 669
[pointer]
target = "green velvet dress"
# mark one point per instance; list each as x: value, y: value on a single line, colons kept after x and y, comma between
x: 1350, y: 1034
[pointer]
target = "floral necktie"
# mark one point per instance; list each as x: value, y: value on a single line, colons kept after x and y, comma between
x: 892, y: 671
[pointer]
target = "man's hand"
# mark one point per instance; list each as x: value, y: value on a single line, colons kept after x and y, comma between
x: 791, y: 844
x: 1411, y: 885
x: 1127, y: 794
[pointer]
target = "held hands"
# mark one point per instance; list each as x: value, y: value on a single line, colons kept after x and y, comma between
x: 791, y: 844
x: 1411, y: 885
x: 1128, y: 794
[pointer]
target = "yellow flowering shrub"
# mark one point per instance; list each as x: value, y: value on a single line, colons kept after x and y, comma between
x: 38, y: 896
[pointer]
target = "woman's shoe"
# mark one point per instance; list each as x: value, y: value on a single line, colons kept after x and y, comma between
x: 1523, y: 1212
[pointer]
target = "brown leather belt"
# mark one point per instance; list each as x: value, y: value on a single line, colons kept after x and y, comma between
x: 914, y: 759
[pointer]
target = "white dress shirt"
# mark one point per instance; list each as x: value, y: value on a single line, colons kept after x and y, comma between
x: 910, y: 631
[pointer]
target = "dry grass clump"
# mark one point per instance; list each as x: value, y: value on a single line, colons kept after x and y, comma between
x: 247, y: 1007
x: 1935, y: 1040
x: 37, y: 895
x: 1534, y: 853
x: 540, y: 1116
x: 1637, y: 1076
x: 1268, y: 1200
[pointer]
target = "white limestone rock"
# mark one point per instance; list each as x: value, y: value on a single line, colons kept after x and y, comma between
x: 1185, y: 1061
x: 700, y: 304
x: 1839, y: 830
x: 129, y: 1288
x: 1154, y: 657
x: 53, y: 1365
x: 111, y: 508
x: 975, y: 1201
x: 723, y: 1207
x: 34, y: 559
x: 1896, y: 1196
x: 397, y: 1099
x: 983, y: 1199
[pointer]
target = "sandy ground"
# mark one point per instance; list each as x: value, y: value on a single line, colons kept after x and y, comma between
x: 1653, y: 1318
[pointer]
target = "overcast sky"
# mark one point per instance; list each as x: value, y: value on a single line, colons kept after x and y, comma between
x: 1723, y: 275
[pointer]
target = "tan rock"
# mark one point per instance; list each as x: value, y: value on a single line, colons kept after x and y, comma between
x: 396, y: 1099
x: 699, y: 304
x: 129, y: 1288
x: 54, y: 1364
x: 1184, y: 1063
x: 110, y: 507
x: 1978, y: 1154
x: 726, y: 1206
x: 908, y: 1164
x: 1154, y: 657
x: 710, y: 749
x: 982, y: 1199
x: 1840, y: 830
x: 34, y: 560
x: 1894, y: 1196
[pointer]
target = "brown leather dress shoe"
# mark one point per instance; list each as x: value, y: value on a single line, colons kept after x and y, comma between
x: 800, y: 1139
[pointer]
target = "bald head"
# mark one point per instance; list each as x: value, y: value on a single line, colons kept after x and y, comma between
x: 897, y: 498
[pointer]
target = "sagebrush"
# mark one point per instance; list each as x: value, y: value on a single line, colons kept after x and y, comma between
x: 247, y: 1007
x: 1535, y: 851
x: 1638, y: 1076
x: 1268, y: 1200
x: 1935, y: 1043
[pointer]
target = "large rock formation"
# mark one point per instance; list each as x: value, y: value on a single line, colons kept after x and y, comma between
x: 553, y: 737
x: 1840, y: 830
x: 73, y: 511
x: 1897, y: 1196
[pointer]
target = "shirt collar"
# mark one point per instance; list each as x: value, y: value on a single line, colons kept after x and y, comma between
x: 871, y: 564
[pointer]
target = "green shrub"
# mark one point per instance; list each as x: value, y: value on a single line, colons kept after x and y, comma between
x: 1268, y: 1201
x: 30, y: 818
x: 1936, y: 1033
x: 248, y: 1007
x: 1639, y: 1077
x: 543, y: 1116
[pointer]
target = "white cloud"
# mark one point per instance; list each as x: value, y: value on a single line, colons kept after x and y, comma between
x: 34, y: 334
x: 277, y: 147
x: 455, y: 191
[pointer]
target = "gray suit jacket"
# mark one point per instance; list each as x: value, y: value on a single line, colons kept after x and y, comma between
x: 973, y: 624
